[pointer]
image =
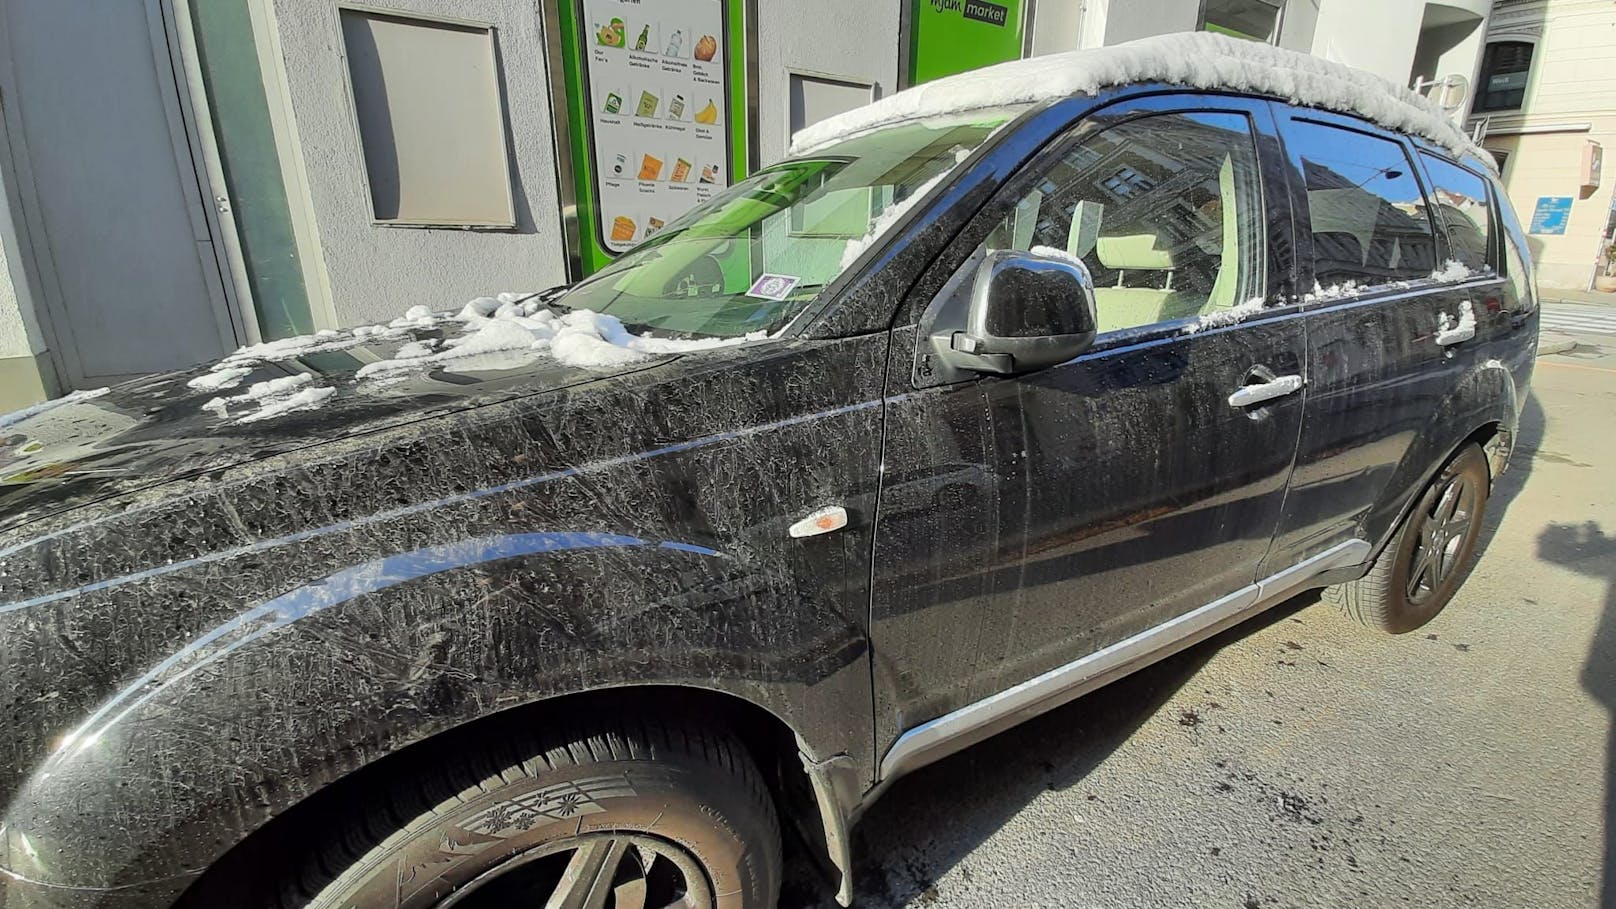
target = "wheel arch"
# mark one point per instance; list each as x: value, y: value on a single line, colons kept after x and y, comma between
x: 815, y: 793
x: 1484, y: 410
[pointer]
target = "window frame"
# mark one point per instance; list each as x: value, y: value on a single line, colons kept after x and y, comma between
x: 1494, y: 223
x: 1305, y: 259
x: 1484, y: 73
x: 496, y: 75
x: 926, y: 296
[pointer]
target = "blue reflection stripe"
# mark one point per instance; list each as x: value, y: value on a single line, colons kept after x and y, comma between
x: 333, y: 590
x: 408, y: 510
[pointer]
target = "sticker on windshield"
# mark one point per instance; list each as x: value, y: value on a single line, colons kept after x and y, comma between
x: 773, y: 287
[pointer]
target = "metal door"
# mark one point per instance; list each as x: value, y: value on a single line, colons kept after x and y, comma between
x: 110, y: 202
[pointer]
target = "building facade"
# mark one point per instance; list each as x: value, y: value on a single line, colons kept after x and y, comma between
x: 1545, y: 105
x: 181, y: 177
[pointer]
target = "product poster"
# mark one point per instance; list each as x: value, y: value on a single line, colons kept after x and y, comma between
x: 660, y: 127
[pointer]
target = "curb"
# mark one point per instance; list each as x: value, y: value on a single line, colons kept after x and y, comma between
x: 1555, y: 344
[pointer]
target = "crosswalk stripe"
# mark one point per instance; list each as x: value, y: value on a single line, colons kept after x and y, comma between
x: 1599, y: 323
x: 1558, y: 320
x: 1583, y: 318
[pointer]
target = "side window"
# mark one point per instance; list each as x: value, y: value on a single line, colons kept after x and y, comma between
x: 1166, y: 212
x: 1460, y: 200
x: 1517, y: 262
x: 1365, y: 208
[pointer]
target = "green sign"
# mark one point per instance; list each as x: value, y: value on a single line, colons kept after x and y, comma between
x: 656, y: 108
x: 952, y: 36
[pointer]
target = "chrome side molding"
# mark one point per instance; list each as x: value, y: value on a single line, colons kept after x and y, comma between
x: 938, y: 738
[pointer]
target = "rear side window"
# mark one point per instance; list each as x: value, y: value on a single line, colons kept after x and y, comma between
x: 1459, y: 198
x: 1366, y: 209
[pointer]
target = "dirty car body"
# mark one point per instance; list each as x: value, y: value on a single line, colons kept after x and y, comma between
x: 204, y: 625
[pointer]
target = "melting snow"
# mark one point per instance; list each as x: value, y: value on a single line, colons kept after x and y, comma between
x: 1051, y: 252
x: 304, y: 399
x: 1452, y: 270
x: 270, y: 395
x: 581, y: 338
x: 1222, y: 317
x: 1199, y: 59
x: 1449, y: 331
x: 499, y: 332
x: 220, y: 379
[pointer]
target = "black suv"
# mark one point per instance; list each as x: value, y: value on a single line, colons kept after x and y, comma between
x: 995, y: 406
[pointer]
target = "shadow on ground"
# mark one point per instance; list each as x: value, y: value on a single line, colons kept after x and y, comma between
x: 978, y: 791
x: 1587, y: 549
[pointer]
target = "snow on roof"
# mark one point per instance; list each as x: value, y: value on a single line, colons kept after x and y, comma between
x: 1197, y: 59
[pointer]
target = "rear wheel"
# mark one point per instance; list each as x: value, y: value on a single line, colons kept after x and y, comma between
x: 637, y: 816
x: 1430, y: 556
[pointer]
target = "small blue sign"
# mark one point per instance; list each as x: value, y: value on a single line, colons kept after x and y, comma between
x: 1551, y: 215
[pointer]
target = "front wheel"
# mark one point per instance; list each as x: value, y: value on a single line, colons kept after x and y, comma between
x: 1431, y: 555
x: 642, y: 815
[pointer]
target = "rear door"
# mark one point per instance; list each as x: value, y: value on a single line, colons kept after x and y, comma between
x: 1028, y: 521
x: 1396, y: 315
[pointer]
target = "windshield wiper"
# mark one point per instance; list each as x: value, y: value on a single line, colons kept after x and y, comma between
x: 547, y: 298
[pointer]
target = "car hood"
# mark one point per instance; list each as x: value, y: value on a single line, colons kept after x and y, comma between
x: 91, y: 446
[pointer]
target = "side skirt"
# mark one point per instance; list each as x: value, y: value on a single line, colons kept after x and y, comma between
x: 938, y: 738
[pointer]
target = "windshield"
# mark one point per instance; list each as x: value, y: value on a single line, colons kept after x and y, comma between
x: 753, y: 257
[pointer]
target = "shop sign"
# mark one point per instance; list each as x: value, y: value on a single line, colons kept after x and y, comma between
x: 952, y: 36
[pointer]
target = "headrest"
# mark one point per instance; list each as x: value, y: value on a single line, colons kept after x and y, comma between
x: 1133, y: 251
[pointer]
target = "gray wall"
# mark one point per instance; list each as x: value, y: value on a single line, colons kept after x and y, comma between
x: 855, y: 40
x: 377, y: 272
x: 1124, y: 20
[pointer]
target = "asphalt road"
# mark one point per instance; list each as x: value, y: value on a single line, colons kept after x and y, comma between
x: 1299, y: 760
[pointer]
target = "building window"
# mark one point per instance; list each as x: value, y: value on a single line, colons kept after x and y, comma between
x: 1504, y: 69
x: 1126, y: 182
x: 1255, y: 20
x: 427, y: 105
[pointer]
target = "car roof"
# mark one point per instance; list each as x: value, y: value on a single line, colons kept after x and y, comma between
x: 1196, y: 60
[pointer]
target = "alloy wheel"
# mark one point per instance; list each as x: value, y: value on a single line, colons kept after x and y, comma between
x: 610, y: 870
x: 1444, y: 532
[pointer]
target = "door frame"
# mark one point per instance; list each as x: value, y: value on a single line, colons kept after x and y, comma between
x: 277, y: 97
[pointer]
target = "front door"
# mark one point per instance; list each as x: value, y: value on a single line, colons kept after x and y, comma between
x: 1028, y: 521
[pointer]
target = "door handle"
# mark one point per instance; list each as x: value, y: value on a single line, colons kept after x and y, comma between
x: 1277, y: 387
x: 1450, y: 336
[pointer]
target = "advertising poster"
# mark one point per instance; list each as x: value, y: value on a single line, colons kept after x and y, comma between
x: 658, y: 114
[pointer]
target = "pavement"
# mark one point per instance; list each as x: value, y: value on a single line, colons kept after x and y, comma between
x: 1300, y: 760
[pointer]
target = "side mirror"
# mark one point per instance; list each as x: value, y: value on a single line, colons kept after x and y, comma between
x: 1027, y: 311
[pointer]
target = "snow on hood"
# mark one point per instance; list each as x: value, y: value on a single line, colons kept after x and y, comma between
x: 500, y: 332
x: 1198, y: 59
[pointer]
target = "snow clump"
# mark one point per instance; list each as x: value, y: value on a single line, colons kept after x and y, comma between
x: 273, y: 397
x: 1451, y: 270
x: 1220, y: 318
x: 581, y: 338
x: 1449, y: 330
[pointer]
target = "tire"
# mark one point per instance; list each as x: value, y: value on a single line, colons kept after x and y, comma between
x: 1392, y: 597
x: 640, y: 813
